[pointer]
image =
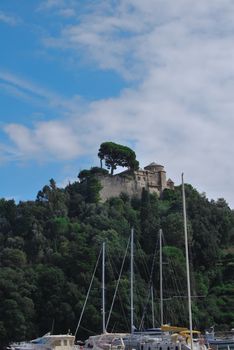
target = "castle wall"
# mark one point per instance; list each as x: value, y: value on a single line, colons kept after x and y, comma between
x: 112, y: 186
x: 132, y: 184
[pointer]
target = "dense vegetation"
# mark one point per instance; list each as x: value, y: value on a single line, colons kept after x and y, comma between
x: 49, y: 247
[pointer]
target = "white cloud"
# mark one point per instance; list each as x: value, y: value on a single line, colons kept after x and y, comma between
x: 58, y: 139
x: 46, y: 140
x: 133, y: 36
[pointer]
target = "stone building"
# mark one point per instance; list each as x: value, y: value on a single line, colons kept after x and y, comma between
x: 152, y: 178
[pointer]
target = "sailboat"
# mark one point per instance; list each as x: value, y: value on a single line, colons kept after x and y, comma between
x: 177, y: 338
x: 140, y: 339
x: 105, y: 340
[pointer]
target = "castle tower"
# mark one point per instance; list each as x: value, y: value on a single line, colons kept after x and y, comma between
x: 154, y: 167
x: 160, y: 174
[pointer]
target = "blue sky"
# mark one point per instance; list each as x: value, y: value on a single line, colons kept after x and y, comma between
x: 156, y: 75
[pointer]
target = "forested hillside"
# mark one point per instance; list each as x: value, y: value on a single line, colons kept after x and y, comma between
x: 49, y: 247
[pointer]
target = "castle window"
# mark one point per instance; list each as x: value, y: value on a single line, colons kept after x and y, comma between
x: 139, y: 177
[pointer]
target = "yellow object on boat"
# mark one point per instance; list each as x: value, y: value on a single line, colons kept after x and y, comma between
x: 186, y: 333
x: 167, y: 328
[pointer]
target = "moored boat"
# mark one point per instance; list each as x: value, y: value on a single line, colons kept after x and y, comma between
x: 219, y: 340
x: 47, y: 342
x: 221, y: 344
x: 106, y: 341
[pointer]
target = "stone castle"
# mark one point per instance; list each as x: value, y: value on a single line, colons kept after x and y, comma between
x: 152, y: 178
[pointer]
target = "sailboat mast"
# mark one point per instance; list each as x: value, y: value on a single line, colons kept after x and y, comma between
x: 161, y: 277
x: 103, y: 289
x: 152, y: 305
x: 131, y: 272
x: 187, y: 263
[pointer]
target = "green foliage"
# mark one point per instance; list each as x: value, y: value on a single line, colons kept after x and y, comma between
x: 92, y: 190
x: 85, y: 174
x: 11, y: 257
x: 90, y: 186
x: 16, y: 305
x: 117, y: 155
x: 53, y: 198
x: 150, y: 221
x: 49, y: 248
x: 173, y: 229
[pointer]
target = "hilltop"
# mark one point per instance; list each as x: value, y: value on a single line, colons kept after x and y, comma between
x: 49, y: 247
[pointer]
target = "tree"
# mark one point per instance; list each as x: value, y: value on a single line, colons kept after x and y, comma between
x: 85, y: 174
x: 90, y: 186
x: 13, y: 258
x: 16, y: 305
x: 53, y: 197
x: 149, y: 217
x: 117, y: 155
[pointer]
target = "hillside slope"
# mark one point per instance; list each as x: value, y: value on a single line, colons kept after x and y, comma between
x: 49, y: 247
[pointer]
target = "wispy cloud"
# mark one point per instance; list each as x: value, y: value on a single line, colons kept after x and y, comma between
x: 50, y: 4
x: 58, y: 7
x: 67, y: 12
x: 29, y: 91
x: 46, y: 140
x: 9, y: 19
x: 133, y: 38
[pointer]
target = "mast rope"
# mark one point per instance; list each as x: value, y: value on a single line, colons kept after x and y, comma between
x: 117, y: 284
x: 87, y: 295
x: 150, y: 284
